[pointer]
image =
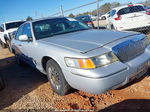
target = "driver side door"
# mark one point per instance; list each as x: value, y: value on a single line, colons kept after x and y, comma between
x: 28, y: 44
x: 18, y: 46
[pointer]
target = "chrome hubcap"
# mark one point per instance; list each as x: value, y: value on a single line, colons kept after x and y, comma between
x: 54, y: 77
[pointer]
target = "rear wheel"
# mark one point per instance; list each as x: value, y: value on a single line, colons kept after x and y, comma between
x: 3, y: 45
x: 9, y: 45
x: 112, y: 27
x: 56, y: 78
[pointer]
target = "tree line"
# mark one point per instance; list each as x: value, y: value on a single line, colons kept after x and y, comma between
x: 102, y: 10
x: 105, y: 8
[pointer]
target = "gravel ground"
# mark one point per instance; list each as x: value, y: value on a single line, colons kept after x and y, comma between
x: 29, y: 90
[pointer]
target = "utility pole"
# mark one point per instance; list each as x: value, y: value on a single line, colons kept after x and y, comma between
x: 97, y: 14
x: 61, y: 11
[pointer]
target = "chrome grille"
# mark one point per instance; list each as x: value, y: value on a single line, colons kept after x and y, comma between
x: 129, y: 49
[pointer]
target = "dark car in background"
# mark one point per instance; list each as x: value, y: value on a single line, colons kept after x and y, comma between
x: 85, y: 19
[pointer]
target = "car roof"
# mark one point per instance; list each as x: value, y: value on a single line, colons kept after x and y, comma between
x: 45, y: 18
x: 124, y: 6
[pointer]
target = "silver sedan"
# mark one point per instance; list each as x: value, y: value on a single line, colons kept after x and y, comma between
x: 74, y: 56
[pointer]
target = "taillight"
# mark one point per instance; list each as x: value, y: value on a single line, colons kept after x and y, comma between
x: 118, y: 18
x: 148, y: 12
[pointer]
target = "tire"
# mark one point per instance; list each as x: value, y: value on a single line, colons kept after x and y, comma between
x: 2, y: 85
x: 3, y: 45
x: 112, y: 27
x: 9, y: 46
x: 103, y: 18
x: 56, y: 78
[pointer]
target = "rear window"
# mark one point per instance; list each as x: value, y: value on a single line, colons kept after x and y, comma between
x: 131, y: 9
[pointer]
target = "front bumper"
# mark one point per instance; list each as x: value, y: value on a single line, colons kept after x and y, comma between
x: 97, y: 84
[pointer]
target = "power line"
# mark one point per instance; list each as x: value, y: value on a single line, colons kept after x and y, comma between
x: 77, y: 7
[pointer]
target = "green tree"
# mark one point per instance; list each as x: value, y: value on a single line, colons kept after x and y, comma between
x: 29, y: 18
x: 105, y: 8
x: 71, y: 15
x: 84, y: 13
x: 146, y: 3
x: 115, y: 4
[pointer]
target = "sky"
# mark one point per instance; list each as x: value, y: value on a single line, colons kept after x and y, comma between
x: 19, y: 9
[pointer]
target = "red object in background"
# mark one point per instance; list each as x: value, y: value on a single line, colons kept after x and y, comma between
x: 148, y: 12
x: 130, y: 5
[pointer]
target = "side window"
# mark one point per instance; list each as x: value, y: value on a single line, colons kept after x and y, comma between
x: 112, y: 13
x: 2, y: 28
x: 19, y: 32
x: 27, y: 31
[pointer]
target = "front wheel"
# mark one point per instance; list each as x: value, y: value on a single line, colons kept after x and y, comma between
x: 104, y: 18
x: 56, y: 78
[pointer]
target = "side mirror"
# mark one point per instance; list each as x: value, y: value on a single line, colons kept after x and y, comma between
x: 23, y: 38
x: 1, y: 29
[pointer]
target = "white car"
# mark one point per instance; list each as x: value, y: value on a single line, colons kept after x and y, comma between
x: 129, y: 17
x: 6, y: 30
x: 105, y: 16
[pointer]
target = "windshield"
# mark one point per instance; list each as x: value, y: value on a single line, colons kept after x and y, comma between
x: 131, y: 9
x: 13, y: 25
x: 50, y: 27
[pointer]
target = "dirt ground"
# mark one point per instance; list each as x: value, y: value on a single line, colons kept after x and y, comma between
x: 29, y: 90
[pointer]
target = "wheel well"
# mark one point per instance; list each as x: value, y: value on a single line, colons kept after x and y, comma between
x: 44, y: 61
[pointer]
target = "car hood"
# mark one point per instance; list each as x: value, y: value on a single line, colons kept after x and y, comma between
x: 12, y: 30
x: 84, y: 41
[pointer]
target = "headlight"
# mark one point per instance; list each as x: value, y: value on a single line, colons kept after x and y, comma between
x: 91, y: 63
x: 146, y: 41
